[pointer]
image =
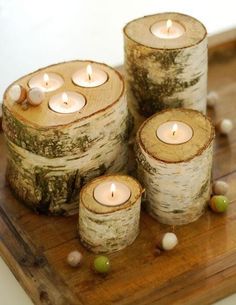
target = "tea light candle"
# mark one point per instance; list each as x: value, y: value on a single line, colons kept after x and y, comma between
x: 174, y: 132
x: 112, y: 193
x: 167, y: 29
x: 174, y: 153
x: 109, y: 213
x: 89, y: 76
x: 46, y: 81
x: 67, y: 102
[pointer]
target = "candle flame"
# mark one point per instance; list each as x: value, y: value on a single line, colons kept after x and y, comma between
x: 113, y: 189
x: 89, y: 71
x: 168, y: 25
x: 65, y: 98
x: 46, y: 78
x: 174, y: 129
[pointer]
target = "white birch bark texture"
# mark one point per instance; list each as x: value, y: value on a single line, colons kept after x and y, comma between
x: 165, y: 73
x: 52, y: 155
x: 177, y: 178
x: 106, y: 229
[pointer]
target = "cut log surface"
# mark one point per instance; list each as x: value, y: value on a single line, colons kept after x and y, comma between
x: 165, y: 73
x: 199, y: 271
x: 177, y: 178
x: 106, y: 229
x: 51, y: 155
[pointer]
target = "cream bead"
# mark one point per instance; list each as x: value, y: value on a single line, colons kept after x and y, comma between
x: 225, y: 126
x: 212, y: 98
x: 17, y: 93
x: 74, y: 258
x: 35, y: 96
x: 167, y: 241
x: 220, y: 187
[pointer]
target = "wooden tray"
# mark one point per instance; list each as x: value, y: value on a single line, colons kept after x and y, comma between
x: 200, y: 270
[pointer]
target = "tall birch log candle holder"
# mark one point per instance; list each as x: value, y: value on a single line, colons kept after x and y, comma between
x: 78, y: 132
x: 174, y: 151
x: 109, y: 213
x: 165, y: 64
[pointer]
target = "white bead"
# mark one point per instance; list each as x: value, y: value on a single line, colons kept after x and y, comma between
x: 74, y: 258
x: 220, y: 187
x: 17, y: 93
x: 169, y: 241
x: 212, y: 98
x: 225, y: 126
x: 35, y: 96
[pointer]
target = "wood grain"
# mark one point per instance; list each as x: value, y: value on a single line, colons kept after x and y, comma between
x: 200, y: 270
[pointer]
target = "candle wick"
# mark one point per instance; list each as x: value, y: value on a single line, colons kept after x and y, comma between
x: 174, y: 132
x: 46, y: 83
x: 112, y: 194
x: 89, y: 77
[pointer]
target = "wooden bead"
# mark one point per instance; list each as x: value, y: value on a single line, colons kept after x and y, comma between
x: 212, y: 98
x: 167, y: 241
x: 74, y: 258
x: 102, y: 264
x: 35, y: 96
x: 219, y: 203
x: 220, y: 187
x: 17, y: 93
x: 225, y: 126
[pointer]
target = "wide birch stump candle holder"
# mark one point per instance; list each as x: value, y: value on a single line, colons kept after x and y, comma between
x: 109, y: 213
x: 165, y: 64
x: 174, y: 151
x: 77, y: 132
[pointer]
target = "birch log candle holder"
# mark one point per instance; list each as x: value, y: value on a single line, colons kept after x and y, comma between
x: 174, y: 151
x: 78, y: 132
x: 109, y: 213
x: 165, y: 64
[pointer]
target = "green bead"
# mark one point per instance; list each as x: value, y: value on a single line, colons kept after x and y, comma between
x: 101, y: 264
x: 219, y: 203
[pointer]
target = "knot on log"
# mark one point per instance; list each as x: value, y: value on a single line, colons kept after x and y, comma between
x: 39, y: 261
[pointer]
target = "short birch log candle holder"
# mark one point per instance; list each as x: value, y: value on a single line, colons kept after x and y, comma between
x: 165, y: 64
x: 78, y: 132
x: 109, y: 213
x: 174, y: 151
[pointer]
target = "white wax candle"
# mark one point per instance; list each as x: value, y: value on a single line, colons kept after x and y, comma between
x: 46, y: 81
x: 174, y: 132
x: 167, y: 29
x: 89, y: 76
x: 67, y: 102
x: 112, y: 193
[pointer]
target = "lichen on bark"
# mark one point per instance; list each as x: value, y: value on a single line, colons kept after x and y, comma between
x: 46, y: 169
x: 153, y: 96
